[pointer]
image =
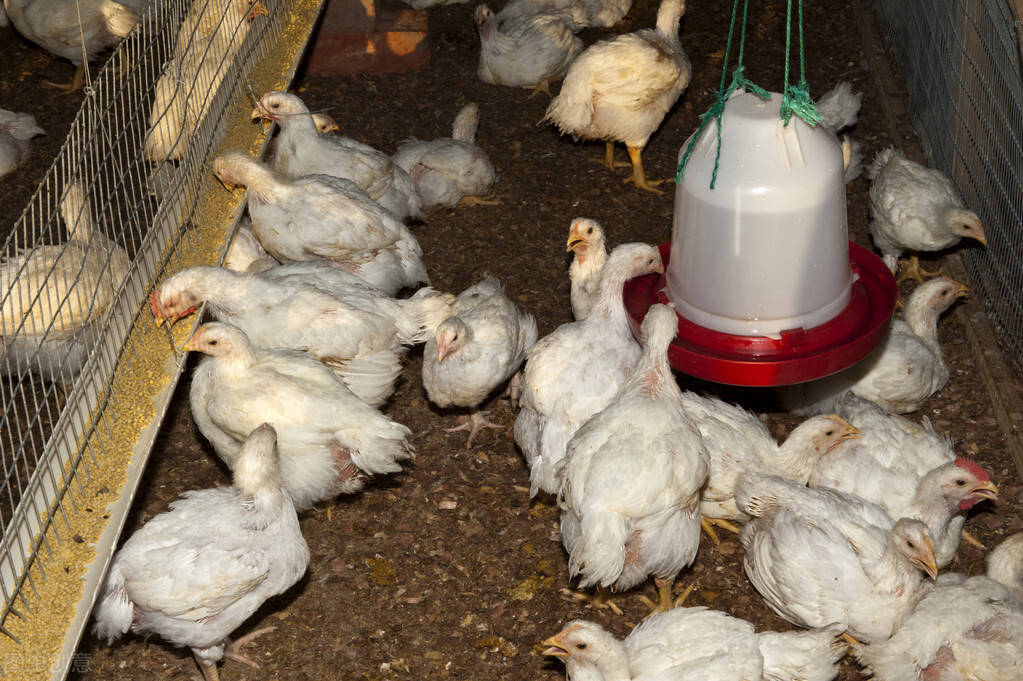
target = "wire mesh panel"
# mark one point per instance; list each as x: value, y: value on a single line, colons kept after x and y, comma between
x: 962, y: 64
x: 85, y: 377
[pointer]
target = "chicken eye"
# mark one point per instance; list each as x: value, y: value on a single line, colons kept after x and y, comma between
x: 829, y: 433
x: 580, y: 646
x: 213, y: 342
x: 589, y: 231
x: 910, y: 544
x: 274, y: 105
x: 960, y: 482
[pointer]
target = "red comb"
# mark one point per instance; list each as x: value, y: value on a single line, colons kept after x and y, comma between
x: 154, y: 303
x: 973, y: 467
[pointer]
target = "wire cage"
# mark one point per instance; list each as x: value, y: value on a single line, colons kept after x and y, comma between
x: 963, y: 70
x: 85, y: 376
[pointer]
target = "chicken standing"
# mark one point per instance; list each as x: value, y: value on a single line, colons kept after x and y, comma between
x: 479, y: 347
x: 327, y: 437
x: 908, y: 470
x: 822, y: 557
x: 963, y: 630
x: 360, y: 333
x: 450, y: 171
x: 54, y: 298
x: 195, y: 573
x: 915, y: 208
x: 695, y: 644
x: 16, y: 129
x: 620, y: 89
x: 905, y: 369
x: 631, y: 478
x: 302, y: 150
x: 575, y: 371
x: 527, y: 51
x: 586, y: 241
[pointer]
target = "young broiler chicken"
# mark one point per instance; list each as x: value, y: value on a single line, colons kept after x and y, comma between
x: 822, y: 557
x: 324, y: 123
x: 902, y: 372
x: 963, y: 630
x: 246, y: 254
x: 479, y: 347
x: 76, y: 30
x: 695, y: 644
x: 327, y: 437
x: 53, y: 298
x: 631, y: 478
x: 839, y: 109
x: 526, y: 51
x: 576, y: 370
x: 586, y: 242
x: 578, y: 14
x: 321, y: 218
x: 210, y: 36
x: 450, y: 171
x: 620, y: 89
x: 908, y: 470
x: 359, y: 332
x: 16, y: 129
x: 301, y: 150
x: 195, y: 573
x: 915, y: 208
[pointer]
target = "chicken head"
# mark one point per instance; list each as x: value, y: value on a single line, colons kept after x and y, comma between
x: 582, y: 234
x: 967, y: 483
x: 451, y: 335
x: 171, y: 305
x: 913, y: 541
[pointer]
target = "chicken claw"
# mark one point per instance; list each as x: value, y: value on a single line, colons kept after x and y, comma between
x: 912, y: 270
x: 233, y: 651
x: 609, y: 158
x: 600, y: 599
x: 474, y: 423
x: 466, y: 201
x: 665, y: 599
x: 639, y: 175
x: 708, y: 523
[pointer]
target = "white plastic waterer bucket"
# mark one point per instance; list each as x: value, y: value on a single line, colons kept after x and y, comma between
x: 766, y: 250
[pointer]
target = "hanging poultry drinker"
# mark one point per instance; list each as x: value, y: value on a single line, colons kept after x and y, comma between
x: 766, y: 284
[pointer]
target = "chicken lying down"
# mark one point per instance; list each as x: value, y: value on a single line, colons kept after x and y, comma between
x: 195, y: 573
x: 357, y: 331
x: 619, y: 90
x: 576, y: 370
x: 16, y: 129
x: 908, y: 470
x: 475, y: 350
x: 328, y: 438
x: 905, y: 369
x: 302, y: 150
x: 450, y: 171
x: 695, y: 644
x: 586, y: 242
x: 246, y: 254
x: 822, y: 557
x: 738, y: 442
x: 915, y: 208
x: 528, y: 51
x: 965, y: 629
x: 54, y: 298
x: 839, y: 109
x: 631, y: 478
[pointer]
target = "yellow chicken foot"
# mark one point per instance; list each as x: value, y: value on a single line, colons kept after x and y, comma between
x: 208, y: 669
x: 970, y: 539
x: 665, y: 600
x: 543, y: 86
x: 75, y: 85
x: 609, y: 158
x: 848, y: 638
x: 707, y: 523
x: 233, y: 651
x: 912, y: 270
x: 638, y: 175
x: 600, y: 599
x: 474, y: 423
x: 466, y: 201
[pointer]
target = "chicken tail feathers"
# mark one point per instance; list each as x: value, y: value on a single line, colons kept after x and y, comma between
x: 839, y: 108
x: 428, y: 307
x: 805, y: 655
x: 114, y: 612
x: 881, y: 159
x: 378, y: 448
x: 371, y: 376
x: 466, y: 123
x: 597, y: 555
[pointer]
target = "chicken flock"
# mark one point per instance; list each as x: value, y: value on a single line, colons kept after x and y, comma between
x: 845, y: 524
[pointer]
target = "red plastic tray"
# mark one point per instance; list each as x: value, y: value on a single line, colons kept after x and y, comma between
x: 800, y: 354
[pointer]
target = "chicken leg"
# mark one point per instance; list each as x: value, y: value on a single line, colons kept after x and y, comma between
x: 75, y: 85
x: 600, y: 599
x: 478, y: 201
x: 609, y: 158
x: 638, y: 175
x: 912, y: 270
x: 707, y: 525
x: 474, y: 423
x: 233, y: 651
x: 666, y: 601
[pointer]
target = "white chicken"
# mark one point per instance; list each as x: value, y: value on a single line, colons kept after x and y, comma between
x: 839, y: 108
x: 963, y: 630
x: 195, y: 573
x: 915, y: 208
x: 246, y: 254
x: 575, y: 371
x: 53, y: 298
x: 620, y: 89
x: 905, y: 369
x: 575, y: 13
x: 631, y: 478
x: 358, y: 332
x: 526, y: 51
x: 302, y: 150
x: 210, y: 36
x: 1005, y: 564
x: 16, y: 129
x: 908, y: 470
x: 450, y: 171
x: 821, y: 557
x: 325, y: 125
x: 76, y: 30
x: 586, y: 242
x: 327, y: 437
x: 479, y: 347
x: 695, y: 644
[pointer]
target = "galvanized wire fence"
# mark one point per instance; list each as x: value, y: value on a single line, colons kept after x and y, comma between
x: 962, y: 64
x: 122, y: 202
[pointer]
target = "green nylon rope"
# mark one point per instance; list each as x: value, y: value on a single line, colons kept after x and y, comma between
x: 795, y: 98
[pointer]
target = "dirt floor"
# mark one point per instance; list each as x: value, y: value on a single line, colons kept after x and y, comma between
x: 449, y: 570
